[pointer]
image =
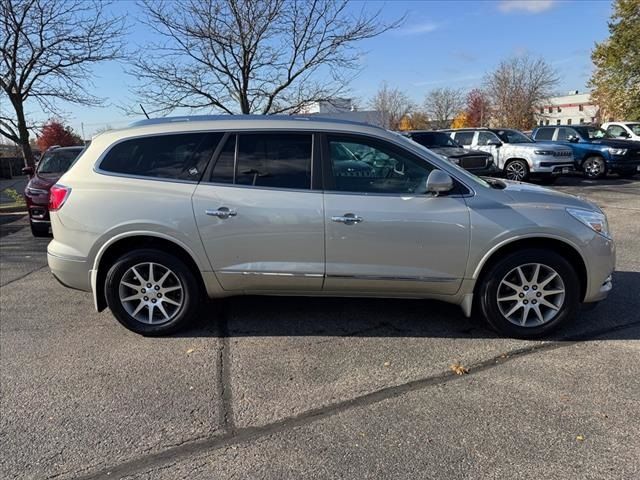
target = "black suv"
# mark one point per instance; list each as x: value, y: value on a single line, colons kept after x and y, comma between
x: 475, y: 161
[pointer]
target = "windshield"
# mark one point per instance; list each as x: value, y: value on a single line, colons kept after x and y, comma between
x: 58, y: 161
x: 434, y: 139
x: 592, y: 133
x: 634, y: 127
x: 512, y: 136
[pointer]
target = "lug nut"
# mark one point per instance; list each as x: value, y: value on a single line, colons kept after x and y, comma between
x: 153, y: 300
x: 159, y: 295
x: 526, y: 288
x: 525, y: 302
x: 157, y: 287
x: 148, y: 285
x: 538, y: 294
x: 535, y: 287
x: 146, y: 299
x: 521, y: 295
x: 534, y: 301
x: 143, y: 290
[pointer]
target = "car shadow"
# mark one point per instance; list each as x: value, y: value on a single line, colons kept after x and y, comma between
x: 254, y: 316
x: 611, y: 180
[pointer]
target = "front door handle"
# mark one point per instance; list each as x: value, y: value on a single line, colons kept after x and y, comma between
x: 347, y: 219
x: 222, y: 212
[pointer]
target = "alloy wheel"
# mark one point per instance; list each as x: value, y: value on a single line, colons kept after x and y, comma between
x: 516, y: 171
x: 531, y: 295
x: 592, y: 168
x: 151, y: 293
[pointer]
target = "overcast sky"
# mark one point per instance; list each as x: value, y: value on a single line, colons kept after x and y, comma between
x: 450, y: 43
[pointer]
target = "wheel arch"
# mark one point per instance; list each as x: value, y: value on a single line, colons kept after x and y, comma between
x: 562, y: 247
x: 110, y: 252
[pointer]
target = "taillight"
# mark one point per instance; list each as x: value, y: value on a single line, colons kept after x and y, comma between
x: 57, y: 196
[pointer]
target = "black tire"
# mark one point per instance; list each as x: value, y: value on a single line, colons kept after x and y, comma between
x: 594, y: 168
x: 39, y: 229
x: 191, y: 293
x: 517, y: 170
x: 490, y: 282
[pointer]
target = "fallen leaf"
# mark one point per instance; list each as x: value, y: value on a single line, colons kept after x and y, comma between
x: 458, y: 368
x: 580, y: 438
x: 191, y: 350
x: 386, y: 364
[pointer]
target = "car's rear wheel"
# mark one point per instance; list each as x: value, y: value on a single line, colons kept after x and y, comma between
x: 152, y: 292
x: 594, y: 168
x: 529, y: 293
x: 39, y: 229
x: 517, y: 170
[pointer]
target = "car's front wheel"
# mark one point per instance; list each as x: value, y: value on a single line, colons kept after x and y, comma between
x: 517, y: 170
x: 151, y: 292
x: 594, y: 168
x: 529, y: 293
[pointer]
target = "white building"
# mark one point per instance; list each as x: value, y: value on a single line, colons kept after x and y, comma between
x: 341, y: 109
x: 572, y: 109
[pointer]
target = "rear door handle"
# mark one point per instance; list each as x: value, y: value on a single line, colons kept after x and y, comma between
x: 222, y: 212
x: 348, y: 219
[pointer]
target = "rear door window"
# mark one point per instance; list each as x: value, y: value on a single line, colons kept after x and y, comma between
x: 544, y: 134
x: 176, y: 157
x: 464, y: 138
x: 565, y: 133
x: 485, y: 137
x: 276, y: 160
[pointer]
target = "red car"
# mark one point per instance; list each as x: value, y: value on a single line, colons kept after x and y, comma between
x: 52, y: 165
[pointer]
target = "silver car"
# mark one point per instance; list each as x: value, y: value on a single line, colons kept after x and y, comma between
x: 154, y: 217
x: 516, y: 155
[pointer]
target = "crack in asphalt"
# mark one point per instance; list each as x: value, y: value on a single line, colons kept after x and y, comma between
x: 242, y: 435
x: 24, y: 276
x: 224, y: 375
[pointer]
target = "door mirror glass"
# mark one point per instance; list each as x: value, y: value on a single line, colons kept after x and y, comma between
x: 494, y: 142
x: 439, y: 182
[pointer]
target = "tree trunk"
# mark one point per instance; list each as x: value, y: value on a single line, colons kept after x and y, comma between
x: 23, y: 133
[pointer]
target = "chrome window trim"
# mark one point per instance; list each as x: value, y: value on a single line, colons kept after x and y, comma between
x: 354, y: 277
x: 271, y: 274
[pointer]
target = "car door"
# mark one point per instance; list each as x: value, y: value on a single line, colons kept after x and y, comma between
x: 570, y: 138
x: 489, y: 142
x: 384, y: 234
x: 261, y: 223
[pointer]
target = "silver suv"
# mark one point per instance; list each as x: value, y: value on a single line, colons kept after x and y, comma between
x: 518, y: 156
x: 156, y: 216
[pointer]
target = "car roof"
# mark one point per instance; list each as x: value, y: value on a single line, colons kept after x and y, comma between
x: 57, y: 149
x: 198, y: 123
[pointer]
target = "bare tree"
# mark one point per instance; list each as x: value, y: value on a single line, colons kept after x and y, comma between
x: 392, y: 104
x: 48, y: 48
x: 249, y: 56
x: 517, y: 87
x: 442, y: 105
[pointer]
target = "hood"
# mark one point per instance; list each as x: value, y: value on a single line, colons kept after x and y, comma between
x: 456, y: 152
x: 554, y: 147
x: 533, y: 194
x: 612, y: 142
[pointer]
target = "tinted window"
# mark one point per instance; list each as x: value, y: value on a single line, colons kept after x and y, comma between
x: 544, y: 134
x: 280, y: 160
x: 223, y: 169
x: 181, y: 157
x: 485, y: 137
x: 58, y: 161
x: 513, y: 136
x: 360, y: 165
x: 464, y: 138
x: 434, y: 139
x: 565, y: 133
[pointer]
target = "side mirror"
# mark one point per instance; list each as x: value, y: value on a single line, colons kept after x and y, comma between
x: 494, y: 143
x: 574, y: 139
x: 28, y: 171
x: 439, y: 182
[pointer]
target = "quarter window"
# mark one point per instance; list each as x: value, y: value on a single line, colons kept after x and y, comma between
x: 364, y: 166
x: 177, y: 157
x: 464, y: 138
x: 278, y: 160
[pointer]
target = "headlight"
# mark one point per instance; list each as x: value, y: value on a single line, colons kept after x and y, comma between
x: 543, y: 152
x: 596, y: 221
x: 617, y: 151
x: 36, y: 191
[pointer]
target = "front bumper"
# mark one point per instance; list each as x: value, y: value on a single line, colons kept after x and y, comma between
x: 601, y: 261
x: 553, y: 168
x: 616, y: 165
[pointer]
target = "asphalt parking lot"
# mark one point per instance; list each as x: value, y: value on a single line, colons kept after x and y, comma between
x: 318, y: 388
